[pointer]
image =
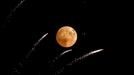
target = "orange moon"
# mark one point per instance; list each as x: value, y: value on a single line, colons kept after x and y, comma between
x: 66, y: 36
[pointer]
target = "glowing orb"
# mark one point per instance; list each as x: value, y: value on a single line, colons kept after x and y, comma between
x: 66, y: 36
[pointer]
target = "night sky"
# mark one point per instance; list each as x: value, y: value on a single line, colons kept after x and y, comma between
x: 95, y: 23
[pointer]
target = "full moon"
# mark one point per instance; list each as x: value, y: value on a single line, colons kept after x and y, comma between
x: 66, y: 36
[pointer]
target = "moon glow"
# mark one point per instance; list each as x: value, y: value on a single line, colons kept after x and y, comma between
x: 66, y: 36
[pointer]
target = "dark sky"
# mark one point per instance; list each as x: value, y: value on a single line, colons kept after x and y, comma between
x: 95, y: 22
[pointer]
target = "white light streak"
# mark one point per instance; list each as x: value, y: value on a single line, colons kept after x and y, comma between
x: 85, y: 55
x: 33, y: 48
x: 57, y: 57
x: 66, y: 51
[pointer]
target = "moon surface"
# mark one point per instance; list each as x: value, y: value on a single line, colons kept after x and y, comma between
x: 66, y: 36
